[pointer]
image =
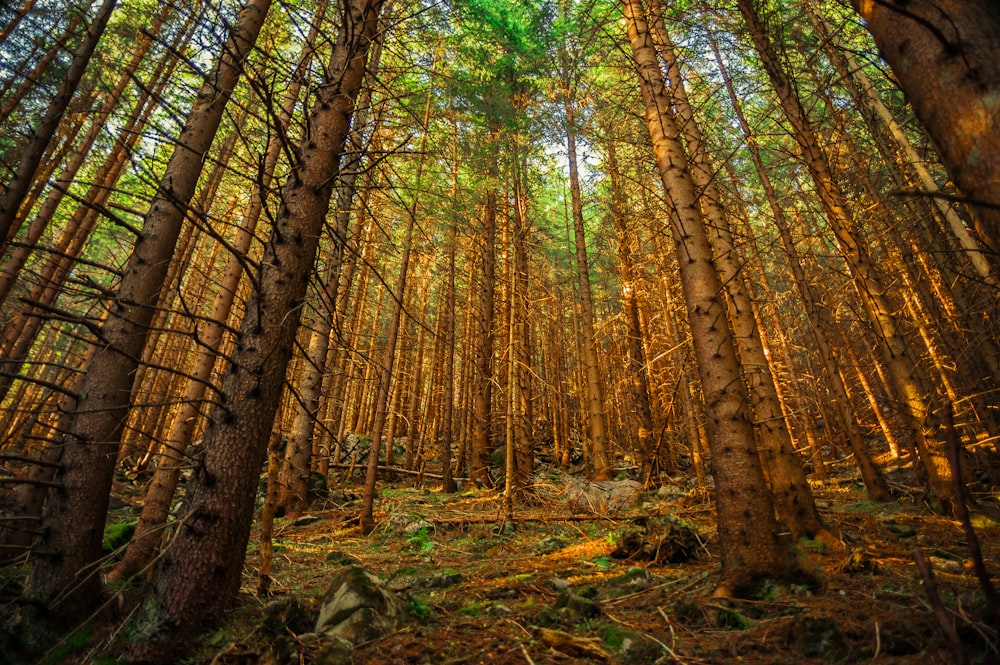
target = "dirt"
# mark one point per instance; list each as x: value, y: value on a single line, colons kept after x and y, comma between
x: 549, y: 590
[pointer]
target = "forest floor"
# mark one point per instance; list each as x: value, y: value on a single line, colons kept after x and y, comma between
x: 551, y: 591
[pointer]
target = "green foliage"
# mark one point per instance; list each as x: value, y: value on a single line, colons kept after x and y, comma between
x: 603, y: 563
x: 116, y: 536
x: 418, y: 609
x: 420, y: 541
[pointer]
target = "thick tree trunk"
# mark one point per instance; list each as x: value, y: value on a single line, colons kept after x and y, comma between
x: 201, y: 571
x: 946, y: 58
x: 77, y: 513
x: 156, y: 507
x: 793, y: 499
x: 748, y: 533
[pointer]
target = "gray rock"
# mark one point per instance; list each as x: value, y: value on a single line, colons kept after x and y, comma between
x: 358, y: 608
x: 604, y: 497
x: 577, y: 605
x: 559, y: 584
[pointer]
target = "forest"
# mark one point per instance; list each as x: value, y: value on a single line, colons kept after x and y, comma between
x: 548, y: 331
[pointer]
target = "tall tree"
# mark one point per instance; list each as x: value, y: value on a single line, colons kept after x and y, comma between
x: 751, y: 550
x: 200, y: 573
x: 90, y: 447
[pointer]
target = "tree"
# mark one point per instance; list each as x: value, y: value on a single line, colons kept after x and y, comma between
x: 77, y: 512
x: 200, y: 572
x: 748, y: 533
x: 947, y: 59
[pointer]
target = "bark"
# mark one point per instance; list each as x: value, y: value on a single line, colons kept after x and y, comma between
x: 156, y: 507
x: 294, y: 484
x: 793, y: 500
x: 946, y: 58
x: 750, y: 548
x: 200, y: 573
x: 77, y: 513
x: 597, y: 427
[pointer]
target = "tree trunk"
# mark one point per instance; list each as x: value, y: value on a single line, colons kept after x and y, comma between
x: 748, y: 533
x: 483, y: 371
x: 946, y: 58
x: 77, y: 513
x: 597, y: 423
x: 156, y: 508
x: 201, y: 571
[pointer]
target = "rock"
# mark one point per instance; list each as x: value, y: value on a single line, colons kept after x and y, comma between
x: 603, y: 497
x: 946, y: 565
x: 497, y: 610
x: 559, y: 584
x: 305, y: 520
x: 334, y: 651
x: 445, y: 579
x: 358, y: 608
x: 576, y: 604
x: 638, y: 647
x: 637, y: 578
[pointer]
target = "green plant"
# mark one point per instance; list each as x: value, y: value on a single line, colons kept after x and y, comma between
x: 613, y: 636
x: 420, y: 541
x: 418, y: 609
x: 603, y: 563
x: 116, y: 535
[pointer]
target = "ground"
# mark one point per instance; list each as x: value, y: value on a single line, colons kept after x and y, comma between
x: 550, y: 591
x: 566, y: 585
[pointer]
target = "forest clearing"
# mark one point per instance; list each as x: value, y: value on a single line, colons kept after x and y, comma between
x: 499, y: 331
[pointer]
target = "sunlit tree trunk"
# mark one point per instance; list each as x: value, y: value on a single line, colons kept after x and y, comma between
x: 201, y: 571
x: 293, y: 487
x: 748, y: 533
x: 871, y: 291
x: 367, y: 517
x: 946, y: 58
x: 793, y: 499
x: 638, y: 378
x: 596, y: 418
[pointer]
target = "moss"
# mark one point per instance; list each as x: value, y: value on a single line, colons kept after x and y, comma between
x: 116, y: 536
